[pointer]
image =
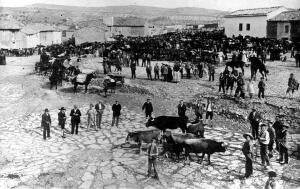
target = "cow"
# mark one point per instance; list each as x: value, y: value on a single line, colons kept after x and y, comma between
x: 141, y: 137
x: 173, y: 143
x: 167, y: 122
x: 204, y: 146
x: 197, y: 129
x: 257, y: 64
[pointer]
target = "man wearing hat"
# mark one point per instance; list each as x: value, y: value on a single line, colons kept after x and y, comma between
x: 254, y: 118
x: 283, y: 145
x: 248, y: 152
x: 148, y: 108
x: 278, y: 125
x: 75, y: 119
x: 46, y: 122
x: 62, y: 120
x: 264, y: 140
x: 271, y: 182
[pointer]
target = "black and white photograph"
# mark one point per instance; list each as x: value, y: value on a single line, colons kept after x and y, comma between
x: 149, y: 94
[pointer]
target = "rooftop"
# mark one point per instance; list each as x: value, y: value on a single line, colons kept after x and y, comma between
x: 287, y: 16
x: 36, y: 28
x: 253, y: 12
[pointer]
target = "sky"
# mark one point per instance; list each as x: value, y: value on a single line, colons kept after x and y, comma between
x: 226, y: 5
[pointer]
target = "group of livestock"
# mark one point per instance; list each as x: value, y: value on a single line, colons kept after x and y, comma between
x: 191, y: 140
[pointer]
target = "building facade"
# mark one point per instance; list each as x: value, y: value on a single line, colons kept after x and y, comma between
x: 250, y: 22
x: 126, y: 26
x: 285, y: 26
x: 89, y: 34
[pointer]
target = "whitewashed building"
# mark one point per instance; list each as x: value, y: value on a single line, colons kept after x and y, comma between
x: 11, y: 37
x: 251, y: 22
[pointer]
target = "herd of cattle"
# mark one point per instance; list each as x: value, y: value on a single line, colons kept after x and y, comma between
x: 191, y: 140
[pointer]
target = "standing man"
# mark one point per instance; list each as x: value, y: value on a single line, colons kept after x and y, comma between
x: 211, y: 72
x: 62, y: 120
x: 278, y: 125
x: 209, y: 112
x: 149, y: 71
x: 261, y: 88
x: 181, y: 110
x: 99, y: 107
x: 264, y: 140
x: 222, y: 83
x: 133, y: 68
x: 152, y: 155
x: 283, y: 145
x: 148, y: 108
x: 199, y: 110
x: 254, y: 118
x: 156, y: 72
x: 240, y: 90
x: 46, y: 122
x: 75, y: 119
x: 188, y: 70
x: 116, y: 108
x: 271, y: 131
x: 248, y: 153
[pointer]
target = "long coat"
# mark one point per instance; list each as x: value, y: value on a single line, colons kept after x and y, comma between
x: 116, y: 109
x: 75, y: 118
x: 46, y: 120
x: 148, y: 107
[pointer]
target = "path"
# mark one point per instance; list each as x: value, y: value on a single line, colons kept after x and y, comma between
x: 93, y: 160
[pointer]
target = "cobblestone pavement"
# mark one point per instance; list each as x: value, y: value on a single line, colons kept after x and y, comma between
x: 94, y: 159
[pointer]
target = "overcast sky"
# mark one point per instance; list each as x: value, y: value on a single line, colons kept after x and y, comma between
x: 227, y: 5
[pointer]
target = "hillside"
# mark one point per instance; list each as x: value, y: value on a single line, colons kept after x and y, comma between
x: 81, y: 16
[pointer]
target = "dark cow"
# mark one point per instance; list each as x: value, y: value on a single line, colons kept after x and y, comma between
x: 141, y: 137
x: 257, y: 64
x: 168, y: 122
x: 204, y: 146
x: 173, y: 143
x: 172, y: 149
x: 197, y: 129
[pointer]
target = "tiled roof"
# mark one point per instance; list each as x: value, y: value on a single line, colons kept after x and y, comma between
x: 287, y: 16
x: 128, y: 21
x: 253, y: 12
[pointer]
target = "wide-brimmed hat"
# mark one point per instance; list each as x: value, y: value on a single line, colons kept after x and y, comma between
x: 248, y: 134
x: 62, y: 108
x: 272, y: 174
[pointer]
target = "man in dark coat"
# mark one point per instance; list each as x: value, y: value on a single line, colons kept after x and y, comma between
x: 75, y: 119
x: 99, y: 107
x: 254, y: 118
x: 62, y: 120
x: 46, y: 122
x: 181, y: 110
x: 116, y: 108
x: 133, y: 68
x: 148, y: 108
x: 278, y: 125
x: 152, y: 156
x: 283, y: 145
x: 248, y: 153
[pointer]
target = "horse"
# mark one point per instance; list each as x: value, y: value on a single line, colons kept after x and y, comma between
x: 256, y: 64
x: 236, y: 64
x: 86, y: 82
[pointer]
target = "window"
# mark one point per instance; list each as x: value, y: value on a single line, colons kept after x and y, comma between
x: 241, y: 27
x: 64, y: 33
x: 286, y: 29
x: 248, y: 27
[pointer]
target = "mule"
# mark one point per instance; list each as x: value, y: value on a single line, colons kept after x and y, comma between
x: 87, y: 81
x: 257, y: 64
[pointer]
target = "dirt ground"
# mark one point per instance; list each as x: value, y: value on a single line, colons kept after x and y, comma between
x: 23, y: 92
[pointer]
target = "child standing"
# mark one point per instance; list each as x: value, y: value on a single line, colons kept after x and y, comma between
x: 248, y: 152
x: 91, y: 117
x: 250, y: 88
x: 261, y: 88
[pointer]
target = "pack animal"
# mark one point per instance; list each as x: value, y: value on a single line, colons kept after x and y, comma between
x: 167, y: 122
